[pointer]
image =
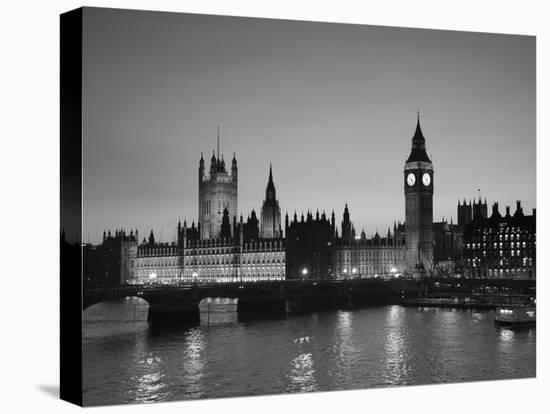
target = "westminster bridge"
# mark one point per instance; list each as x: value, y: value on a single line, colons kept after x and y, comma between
x: 180, y: 303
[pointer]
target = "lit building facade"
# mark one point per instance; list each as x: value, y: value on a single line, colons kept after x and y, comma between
x: 222, y: 260
x: 358, y: 256
x: 501, y: 247
x: 196, y: 260
x: 159, y: 263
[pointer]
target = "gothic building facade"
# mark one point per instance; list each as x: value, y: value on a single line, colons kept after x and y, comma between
x: 358, y: 256
x: 218, y: 249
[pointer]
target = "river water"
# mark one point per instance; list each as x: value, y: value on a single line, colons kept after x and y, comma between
x: 125, y: 361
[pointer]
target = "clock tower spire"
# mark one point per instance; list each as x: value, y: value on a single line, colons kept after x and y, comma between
x: 418, y: 187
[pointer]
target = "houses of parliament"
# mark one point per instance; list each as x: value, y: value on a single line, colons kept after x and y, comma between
x: 225, y: 247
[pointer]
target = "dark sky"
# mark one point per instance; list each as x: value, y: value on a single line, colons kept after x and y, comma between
x: 332, y: 106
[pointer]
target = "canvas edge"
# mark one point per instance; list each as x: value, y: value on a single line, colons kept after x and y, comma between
x: 70, y: 388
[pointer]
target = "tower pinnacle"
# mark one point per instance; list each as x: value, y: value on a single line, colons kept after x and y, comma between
x: 418, y: 150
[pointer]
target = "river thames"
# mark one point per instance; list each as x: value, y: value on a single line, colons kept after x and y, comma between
x: 125, y: 361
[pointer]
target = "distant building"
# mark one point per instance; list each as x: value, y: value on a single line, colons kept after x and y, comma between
x: 501, y: 246
x: 467, y: 212
x: 479, y: 209
x: 464, y: 213
x: 270, y: 221
x: 217, y: 191
x: 447, y: 247
x: 359, y: 256
x: 111, y: 263
x: 309, y: 246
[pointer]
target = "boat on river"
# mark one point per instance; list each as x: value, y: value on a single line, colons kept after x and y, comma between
x: 515, y: 315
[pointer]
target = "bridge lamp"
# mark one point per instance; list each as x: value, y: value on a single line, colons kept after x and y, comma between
x: 354, y: 270
x: 304, y: 271
x: 152, y: 275
x: 345, y: 270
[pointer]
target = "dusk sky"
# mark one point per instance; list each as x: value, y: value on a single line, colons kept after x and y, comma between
x: 332, y: 106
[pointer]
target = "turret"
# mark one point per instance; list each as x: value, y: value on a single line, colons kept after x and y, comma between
x: 286, y: 223
x: 346, y: 225
x: 213, y: 164
x: 270, y: 189
x: 201, y: 168
x: 226, y: 226
x: 234, y: 168
x: 495, y: 213
x: 519, y: 209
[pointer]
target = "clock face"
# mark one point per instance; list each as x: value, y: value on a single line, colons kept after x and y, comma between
x: 426, y: 179
x: 411, y: 179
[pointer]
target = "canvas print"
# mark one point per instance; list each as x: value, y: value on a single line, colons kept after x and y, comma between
x: 259, y: 206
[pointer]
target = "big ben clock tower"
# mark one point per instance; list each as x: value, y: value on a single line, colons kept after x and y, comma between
x: 419, y: 189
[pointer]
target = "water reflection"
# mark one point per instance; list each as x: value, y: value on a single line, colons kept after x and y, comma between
x: 396, y: 357
x: 344, y: 348
x: 148, y: 384
x: 301, y: 378
x: 192, y: 367
x: 506, y: 335
x: 125, y: 361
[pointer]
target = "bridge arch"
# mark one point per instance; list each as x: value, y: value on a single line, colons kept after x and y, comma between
x: 91, y: 300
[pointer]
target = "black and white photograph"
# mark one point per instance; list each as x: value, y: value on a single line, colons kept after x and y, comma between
x: 278, y: 208
x: 274, y: 206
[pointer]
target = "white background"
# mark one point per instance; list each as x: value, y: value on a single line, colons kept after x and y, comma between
x: 29, y: 167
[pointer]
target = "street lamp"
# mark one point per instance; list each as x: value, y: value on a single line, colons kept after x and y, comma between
x: 195, y: 274
x: 304, y: 272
